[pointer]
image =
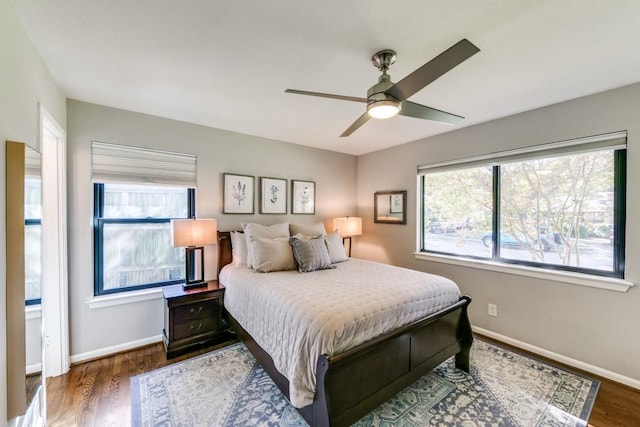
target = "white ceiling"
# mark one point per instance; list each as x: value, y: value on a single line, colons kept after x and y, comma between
x: 226, y: 63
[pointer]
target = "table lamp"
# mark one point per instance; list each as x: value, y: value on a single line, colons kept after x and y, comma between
x: 193, y: 234
x: 348, y: 227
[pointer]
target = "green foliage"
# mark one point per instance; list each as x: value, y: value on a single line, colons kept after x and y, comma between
x: 460, y: 197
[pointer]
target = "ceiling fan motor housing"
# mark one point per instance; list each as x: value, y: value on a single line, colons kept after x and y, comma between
x: 377, y: 91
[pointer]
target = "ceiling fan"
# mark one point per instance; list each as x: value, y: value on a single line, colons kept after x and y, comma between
x: 386, y: 99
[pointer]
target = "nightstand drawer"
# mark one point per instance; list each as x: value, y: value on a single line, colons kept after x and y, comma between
x: 194, y: 327
x: 197, y: 310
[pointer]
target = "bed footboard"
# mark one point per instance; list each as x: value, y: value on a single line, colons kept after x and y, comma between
x: 351, y: 384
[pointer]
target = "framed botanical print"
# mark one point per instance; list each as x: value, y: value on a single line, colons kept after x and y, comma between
x: 397, y: 203
x: 303, y: 197
x: 238, y: 194
x: 273, y: 196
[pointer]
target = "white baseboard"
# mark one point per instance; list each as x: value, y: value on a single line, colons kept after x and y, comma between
x: 613, y: 376
x: 107, y: 351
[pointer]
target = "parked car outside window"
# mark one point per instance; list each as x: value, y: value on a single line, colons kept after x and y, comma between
x: 507, y: 239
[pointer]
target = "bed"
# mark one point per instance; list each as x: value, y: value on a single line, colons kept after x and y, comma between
x: 354, y: 377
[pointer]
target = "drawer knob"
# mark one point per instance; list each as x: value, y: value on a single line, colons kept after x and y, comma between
x: 198, y: 328
x: 193, y: 310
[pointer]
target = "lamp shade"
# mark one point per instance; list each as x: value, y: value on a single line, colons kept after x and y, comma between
x: 193, y: 232
x: 348, y: 226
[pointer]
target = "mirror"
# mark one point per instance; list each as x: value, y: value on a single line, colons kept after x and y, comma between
x: 24, y: 270
x: 33, y: 271
x: 390, y: 207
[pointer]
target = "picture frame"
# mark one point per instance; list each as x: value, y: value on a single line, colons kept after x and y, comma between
x: 238, y: 194
x: 303, y: 197
x: 397, y: 203
x: 390, y: 207
x: 273, y: 196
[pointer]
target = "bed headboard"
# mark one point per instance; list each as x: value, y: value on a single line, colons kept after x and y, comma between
x: 225, y: 255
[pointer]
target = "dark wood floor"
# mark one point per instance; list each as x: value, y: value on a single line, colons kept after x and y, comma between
x: 97, y: 393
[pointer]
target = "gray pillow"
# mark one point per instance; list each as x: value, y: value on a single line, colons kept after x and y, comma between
x: 311, y: 254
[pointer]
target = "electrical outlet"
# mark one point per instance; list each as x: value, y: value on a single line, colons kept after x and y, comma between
x: 493, y: 310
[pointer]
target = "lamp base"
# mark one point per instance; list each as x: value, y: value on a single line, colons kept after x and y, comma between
x: 349, y: 239
x: 192, y: 285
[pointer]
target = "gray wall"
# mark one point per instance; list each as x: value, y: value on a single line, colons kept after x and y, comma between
x: 24, y: 81
x: 591, y: 325
x: 218, y: 151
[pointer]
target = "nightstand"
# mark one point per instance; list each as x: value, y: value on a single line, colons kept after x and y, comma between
x: 193, y: 317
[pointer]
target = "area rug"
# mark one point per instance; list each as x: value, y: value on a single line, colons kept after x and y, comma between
x: 228, y: 388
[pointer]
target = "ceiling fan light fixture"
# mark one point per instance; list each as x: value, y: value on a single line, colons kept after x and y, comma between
x: 383, y: 109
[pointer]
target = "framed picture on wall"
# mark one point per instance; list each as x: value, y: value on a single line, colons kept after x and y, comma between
x: 397, y: 203
x: 273, y: 196
x: 390, y: 207
x: 238, y: 194
x: 303, y: 197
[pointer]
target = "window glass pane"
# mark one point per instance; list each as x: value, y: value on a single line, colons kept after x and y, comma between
x: 140, y: 254
x: 33, y: 261
x: 32, y: 198
x: 144, y: 201
x: 457, y: 211
x: 559, y: 210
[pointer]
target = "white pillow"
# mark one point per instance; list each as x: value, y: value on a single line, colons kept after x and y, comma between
x: 259, y: 230
x: 272, y: 254
x: 239, y: 249
x: 335, y: 247
x: 308, y: 230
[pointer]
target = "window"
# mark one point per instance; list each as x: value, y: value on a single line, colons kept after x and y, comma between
x: 137, y: 191
x: 132, y: 235
x: 557, y: 206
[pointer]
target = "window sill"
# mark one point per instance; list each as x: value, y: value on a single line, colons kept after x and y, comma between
x: 124, y: 298
x: 608, y: 283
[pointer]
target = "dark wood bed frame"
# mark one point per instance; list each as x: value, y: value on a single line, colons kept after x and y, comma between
x: 351, y: 384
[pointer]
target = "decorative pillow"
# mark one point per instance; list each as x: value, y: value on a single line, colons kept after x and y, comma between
x: 335, y: 247
x: 272, y: 254
x: 311, y: 254
x: 259, y: 230
x: 239, y: 249
x: 307, y: 230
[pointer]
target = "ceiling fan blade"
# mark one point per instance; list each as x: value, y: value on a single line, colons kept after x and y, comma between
x: 433, y: 69
x: 361, y: 120
x: 411, y: 109
x: 327, y: 95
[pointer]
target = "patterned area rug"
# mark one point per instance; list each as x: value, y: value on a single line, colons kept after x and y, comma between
x: 228, y: 388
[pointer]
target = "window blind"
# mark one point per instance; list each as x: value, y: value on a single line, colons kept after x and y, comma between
x: 31, y: 162
x: 120, y: 163
x: 613, y: 141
